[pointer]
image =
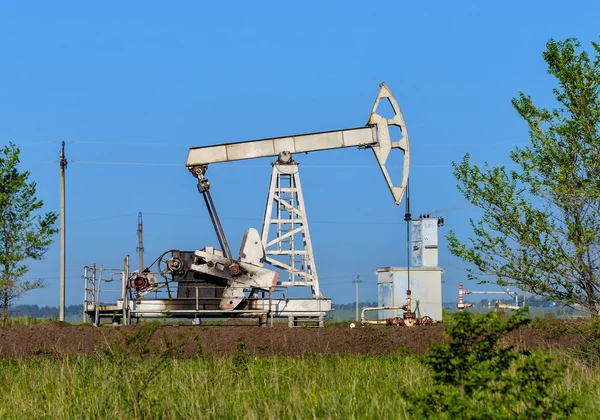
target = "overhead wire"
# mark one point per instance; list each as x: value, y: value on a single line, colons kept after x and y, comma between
x: 80, y: 162
x: 160, y: 164
x: 102, y: 218
x: 181, y: 165
x: 171, y: 144
x: 50, y: 278
x: 343, y: 282
x: 340, y: 222
x: 257, y: 219
x: 349, y: 276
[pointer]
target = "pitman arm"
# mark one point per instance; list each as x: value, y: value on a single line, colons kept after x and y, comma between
x: 375, y: 135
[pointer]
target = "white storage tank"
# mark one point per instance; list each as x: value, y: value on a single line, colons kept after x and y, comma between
x: 425, y: 275
x: 425, y: 286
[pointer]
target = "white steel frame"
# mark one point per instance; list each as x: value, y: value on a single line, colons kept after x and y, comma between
x: 285, y: 210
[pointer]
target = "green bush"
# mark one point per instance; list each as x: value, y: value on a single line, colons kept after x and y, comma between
x: 475, y: 377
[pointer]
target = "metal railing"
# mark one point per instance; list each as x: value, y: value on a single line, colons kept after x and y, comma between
x: 111, y: 293
x: 102, y: 298
x: 97, y: 299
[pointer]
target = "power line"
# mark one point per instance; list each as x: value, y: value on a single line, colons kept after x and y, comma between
x: 181, y: 165
x: 266, y: 165
x: 345, y: 282
x: 171, y: 144
x: 108, y: 143
x: 339, y: 282
x: 250, y: 219
x: 349, y: 276
x: 50, y: 278
x: 126, y: 143
x: 338, y: 222
x: 240, y: 166
x: 80, y: 162
x: 480, y: 145
x: 103, y: 218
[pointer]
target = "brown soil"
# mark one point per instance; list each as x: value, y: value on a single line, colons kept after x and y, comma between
x: 63, y: 339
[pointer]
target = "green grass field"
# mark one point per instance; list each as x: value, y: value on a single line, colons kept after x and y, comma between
x: 341, y: 387
x: 129, y: 379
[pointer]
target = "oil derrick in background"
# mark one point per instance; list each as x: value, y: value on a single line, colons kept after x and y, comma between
x: 140, y: 247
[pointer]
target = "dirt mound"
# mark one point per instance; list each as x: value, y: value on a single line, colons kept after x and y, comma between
x: 63, y: 339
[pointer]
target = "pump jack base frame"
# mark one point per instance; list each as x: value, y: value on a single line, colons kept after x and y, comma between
x: 296, y: 310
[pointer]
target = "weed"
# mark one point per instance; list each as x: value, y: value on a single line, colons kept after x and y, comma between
x: 199, y: 349
x: 134, y: 348
x: 405, y: 352
x: 27, y: 321
x: 39, y: 351
x: 241, y: 358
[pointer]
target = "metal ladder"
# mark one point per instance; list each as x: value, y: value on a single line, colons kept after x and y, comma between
x: 96, y: 303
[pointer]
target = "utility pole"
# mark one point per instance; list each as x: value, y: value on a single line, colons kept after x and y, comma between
x: 140, y: 247
x: 356, y: 282
x: 63, y: 165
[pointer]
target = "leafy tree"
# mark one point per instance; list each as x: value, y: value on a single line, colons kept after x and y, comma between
x: 540, y: 225
x: 24, y: 233
x: 475, y: 377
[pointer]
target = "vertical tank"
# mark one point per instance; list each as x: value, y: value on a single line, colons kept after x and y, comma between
x: 424, y: 278
x: 425, y: 286
x: 385, y: 293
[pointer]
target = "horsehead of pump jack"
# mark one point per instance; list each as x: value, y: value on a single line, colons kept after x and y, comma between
x: 285, y: 190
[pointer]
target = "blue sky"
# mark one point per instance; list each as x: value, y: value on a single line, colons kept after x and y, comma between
x: 144, y: 81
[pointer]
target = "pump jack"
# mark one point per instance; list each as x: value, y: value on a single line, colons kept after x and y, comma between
x: 211, y: 282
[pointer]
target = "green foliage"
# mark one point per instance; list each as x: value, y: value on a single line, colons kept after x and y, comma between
x: 134, y: 348
x: 241, y: 358
x: 540, y: 225
x: 24, y: 233
x: 199, y: 349
x: 475, y: 377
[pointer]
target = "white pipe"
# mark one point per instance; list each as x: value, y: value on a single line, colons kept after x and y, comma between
x: 379, y: 308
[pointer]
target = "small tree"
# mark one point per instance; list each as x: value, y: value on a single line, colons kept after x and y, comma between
x: 476, y: 377
x: 24, y: 234
x: 540, y: 228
